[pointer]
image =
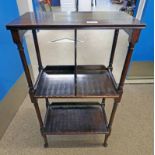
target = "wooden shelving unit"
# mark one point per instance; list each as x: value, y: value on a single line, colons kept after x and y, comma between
x: 76, y: 81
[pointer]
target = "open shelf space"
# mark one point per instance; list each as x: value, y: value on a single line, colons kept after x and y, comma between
x: 60, y: 81
x: 74, y: 118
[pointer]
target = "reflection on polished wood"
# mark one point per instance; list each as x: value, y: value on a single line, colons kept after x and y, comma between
x: 75, y: 20
x: 59, y: 82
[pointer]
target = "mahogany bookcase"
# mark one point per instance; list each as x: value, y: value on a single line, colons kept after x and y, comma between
x: 75, y: 81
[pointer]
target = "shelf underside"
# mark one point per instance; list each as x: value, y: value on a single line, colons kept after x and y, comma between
x: 75, y: 119
x: 61, y: 82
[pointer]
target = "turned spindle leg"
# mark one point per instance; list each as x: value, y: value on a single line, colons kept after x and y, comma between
x: 115, y: 104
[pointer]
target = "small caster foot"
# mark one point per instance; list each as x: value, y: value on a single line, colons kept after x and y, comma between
x: 46, y: 145
x: 105, y: 144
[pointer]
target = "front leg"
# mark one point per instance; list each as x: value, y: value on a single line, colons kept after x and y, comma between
x: 115, y: 104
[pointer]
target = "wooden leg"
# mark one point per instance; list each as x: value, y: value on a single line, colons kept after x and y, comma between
x: 110, y: 123
x: 113, y: 49
x: 41, y: 123
x: 18, y: 42
x: 103, y: 103
x: 47, y: 102
x: 105, y: 144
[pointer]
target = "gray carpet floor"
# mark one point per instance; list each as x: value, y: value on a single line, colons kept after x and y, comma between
x: 132, y: 132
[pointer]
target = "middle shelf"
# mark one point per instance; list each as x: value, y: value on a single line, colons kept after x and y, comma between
x: 61, y: 82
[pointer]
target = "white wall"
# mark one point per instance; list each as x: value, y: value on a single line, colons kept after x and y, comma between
x: 68, y: 5
x: 84, y: 5
x: 24, y: 6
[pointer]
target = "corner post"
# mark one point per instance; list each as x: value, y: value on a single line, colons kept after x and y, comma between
x: 35, y: 39
x: 132, y: 40
x: 115, y: 105
x: 37, y: 109
x: 113, y: 49
x: 18, y: 42
x: 75, y: 60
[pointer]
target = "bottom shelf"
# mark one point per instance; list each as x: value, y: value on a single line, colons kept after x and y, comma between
x: 75, y: 119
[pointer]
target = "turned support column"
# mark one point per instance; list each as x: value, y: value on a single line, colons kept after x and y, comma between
x: 35, y: 39
x: 132, y: 40
x: 115, y: 104
x: 17, y: 41
x: 113, y: 49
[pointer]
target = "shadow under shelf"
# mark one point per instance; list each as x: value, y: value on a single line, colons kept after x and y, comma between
x: 61, y: 82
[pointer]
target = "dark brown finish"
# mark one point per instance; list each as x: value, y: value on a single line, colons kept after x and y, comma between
x: 47, y: 102
x: 75, y: 61
x: 96, y: 85
x: 110, y: 122
x: 75, y: 119
x: 76, y: 81
x: 113, y: 49
x: 55, y: 86
x: 75, y: 20
x: 133, y: 40
x: 90, y: 83
x: 126, y: 65
x: 37, y: 49
x: 112, y: 78
x: 40, y: 121
x: 17, y: 41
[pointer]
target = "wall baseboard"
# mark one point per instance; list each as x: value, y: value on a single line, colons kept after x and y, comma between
x: 141, y: 70
x: 11, y: 103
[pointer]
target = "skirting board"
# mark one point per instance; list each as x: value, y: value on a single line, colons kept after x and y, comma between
x: 11, y: 103
x: 141, y: 72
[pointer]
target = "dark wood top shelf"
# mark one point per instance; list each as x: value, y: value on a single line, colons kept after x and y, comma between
x: 75, y: 119
x: 63, y: 20
x: 60, y: 82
